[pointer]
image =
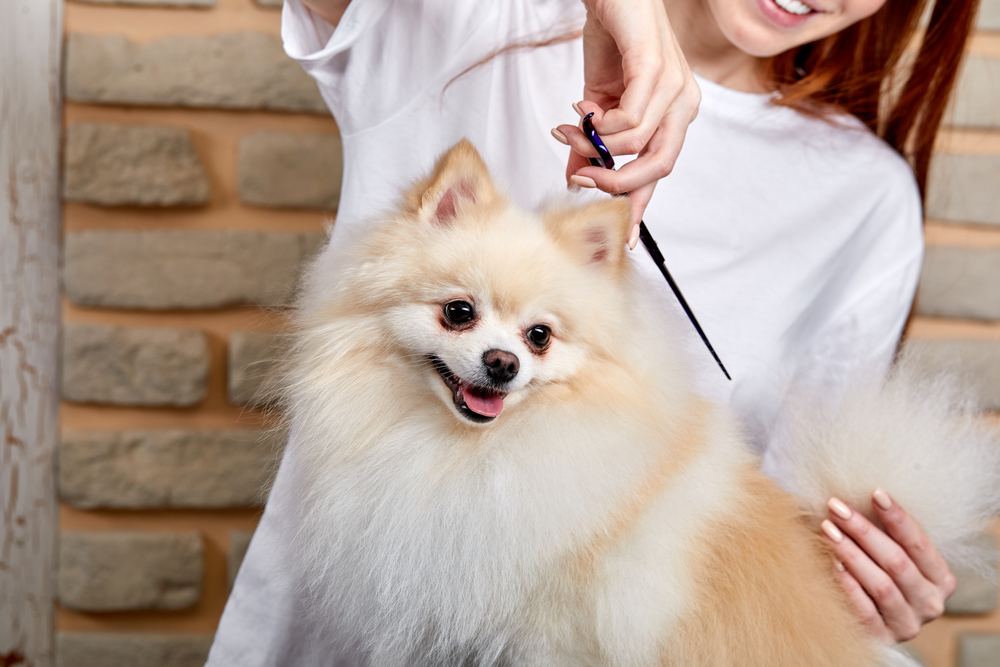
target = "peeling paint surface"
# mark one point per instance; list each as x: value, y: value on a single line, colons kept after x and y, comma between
x: 29, y: 325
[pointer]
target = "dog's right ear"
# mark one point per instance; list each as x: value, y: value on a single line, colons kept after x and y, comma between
x: 460, y: 180
x: 595, y: 234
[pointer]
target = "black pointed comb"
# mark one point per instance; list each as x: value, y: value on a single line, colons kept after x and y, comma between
x: 608, y: 162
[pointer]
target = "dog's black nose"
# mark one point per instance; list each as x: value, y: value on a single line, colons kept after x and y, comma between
x: 501, y: 366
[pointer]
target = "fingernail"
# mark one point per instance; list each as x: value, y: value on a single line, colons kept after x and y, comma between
x: 882, y: 499
x: 840, y: 566
x: 633, y: 237
x: 831, y: 531
x: 839, y: 508
x: 577, y: 109
x: 582, y: 181
x: 560, y: 137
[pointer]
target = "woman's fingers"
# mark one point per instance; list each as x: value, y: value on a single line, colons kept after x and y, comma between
x: 639, y: 198
x: 864, y: 607
x: 633, y: 141
x: 642, y: 93
x: 637, y: 177
x: 897, y: 614
x: 908, y: 534
x: 639, y: 109
x: 628, y: 48
x: 925, y: 597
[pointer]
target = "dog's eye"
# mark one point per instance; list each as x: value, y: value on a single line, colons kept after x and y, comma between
x: 459, y: 312
x: 539, y: 335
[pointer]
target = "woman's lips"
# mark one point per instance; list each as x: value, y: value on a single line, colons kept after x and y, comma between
x: 785, y: 18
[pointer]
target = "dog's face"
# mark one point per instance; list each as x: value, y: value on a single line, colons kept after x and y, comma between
x: 490, y: 305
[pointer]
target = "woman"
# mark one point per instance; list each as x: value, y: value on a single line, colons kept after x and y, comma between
x: 793, y: 229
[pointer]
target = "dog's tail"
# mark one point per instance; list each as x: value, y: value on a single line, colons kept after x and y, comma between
x: 919, y: 438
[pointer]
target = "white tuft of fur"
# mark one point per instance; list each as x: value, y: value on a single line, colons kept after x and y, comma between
x: 918, y: 437
x: 896, y: 656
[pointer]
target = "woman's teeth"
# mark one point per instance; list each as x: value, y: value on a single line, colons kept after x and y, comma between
x: 793, y: 6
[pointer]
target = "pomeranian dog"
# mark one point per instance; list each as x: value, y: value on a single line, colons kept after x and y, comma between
x: 504, y: 463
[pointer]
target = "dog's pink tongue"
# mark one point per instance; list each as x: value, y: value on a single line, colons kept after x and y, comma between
x: 485, y: 403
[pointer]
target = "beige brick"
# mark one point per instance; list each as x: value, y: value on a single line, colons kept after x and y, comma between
x: 976, y: 592
x: 141, y: 165
x: 978, y: 650
x: 960, y: 282
x: 239, y: 542
x: 183, y: 268
x: 118, y: 571
x: 290, y: 169
x: 124, y: 366
x: 253, y: 361
x: 167, y: 468
x: 976, y: 362
x: 964, y: 188
x: 246, y: 70
x: 977, y: 96
x: 118, y: 649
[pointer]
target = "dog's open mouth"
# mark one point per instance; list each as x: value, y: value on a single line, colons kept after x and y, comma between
x: 476, y: 403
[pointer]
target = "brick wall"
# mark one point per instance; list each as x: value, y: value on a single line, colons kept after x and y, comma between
x: 200, y: 165
x: 957, y: 318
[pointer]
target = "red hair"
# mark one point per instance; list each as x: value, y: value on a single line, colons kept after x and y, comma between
x: 859, y: 70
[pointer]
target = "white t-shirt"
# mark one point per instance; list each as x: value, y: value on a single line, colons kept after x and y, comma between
x: 796, y: 241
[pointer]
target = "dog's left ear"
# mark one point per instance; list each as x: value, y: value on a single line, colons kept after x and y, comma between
x: 460, y: 180
x: 595, y: 233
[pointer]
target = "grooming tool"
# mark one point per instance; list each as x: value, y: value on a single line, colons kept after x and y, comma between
x: 608, y: 162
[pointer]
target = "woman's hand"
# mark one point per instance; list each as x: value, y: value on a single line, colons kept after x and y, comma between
x: 642, y: 94
x: 896, y: 582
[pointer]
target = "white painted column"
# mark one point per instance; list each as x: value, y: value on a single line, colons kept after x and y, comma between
x: 30, y: 47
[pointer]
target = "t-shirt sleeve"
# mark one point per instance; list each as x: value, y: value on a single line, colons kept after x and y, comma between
x: 383, y: 54
x: 878, y: 292
x: 861, y: 334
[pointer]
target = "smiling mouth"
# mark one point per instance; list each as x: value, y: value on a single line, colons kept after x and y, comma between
x: 794, y: 7
x: 476, y: 403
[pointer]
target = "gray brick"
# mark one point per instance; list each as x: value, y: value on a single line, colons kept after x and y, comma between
x: 239, y: 542
x: 960, y: 282
x: 167, y: 468
x: 132, y: 164
x: 977, y: 97
x: 253, y: 362
x: 989, y: 15
x: 976, y: 593
x: 978, y: 650
x: 118, y: 649
x: 976, y: 362
x: 125, y: 366
x: 246, y: 70
x: 290, y: 169
x: 119, y: 570
x: 965, y: 188
x: 183, y: 268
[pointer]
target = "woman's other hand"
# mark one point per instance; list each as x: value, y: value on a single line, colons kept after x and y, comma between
x: 897, y: 581
x: 642, y: 94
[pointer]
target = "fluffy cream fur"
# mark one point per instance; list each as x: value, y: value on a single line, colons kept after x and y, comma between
x: 606, y: 516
